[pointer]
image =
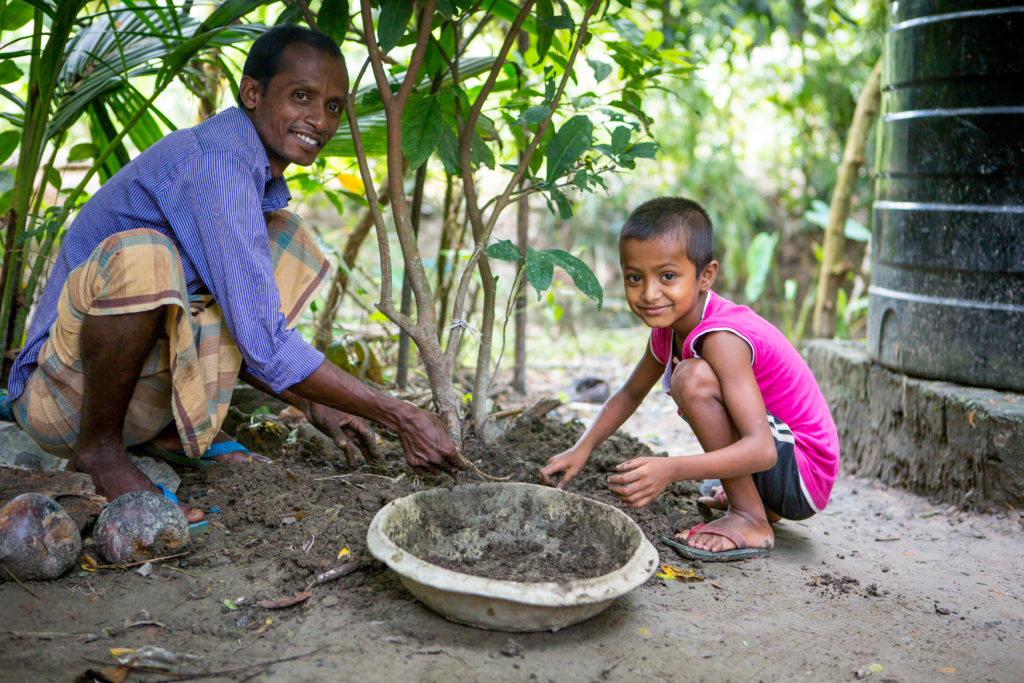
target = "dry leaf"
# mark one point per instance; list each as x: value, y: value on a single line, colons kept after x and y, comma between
x: 279, y: 603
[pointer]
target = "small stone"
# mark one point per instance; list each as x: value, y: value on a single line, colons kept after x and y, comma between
x: 38, y: 540
x: 707, y: 655
x: 329, y: 601
x: 941, y: 610
x: 512, y: 648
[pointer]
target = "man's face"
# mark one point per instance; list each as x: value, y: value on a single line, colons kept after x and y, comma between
x: 301, y: 108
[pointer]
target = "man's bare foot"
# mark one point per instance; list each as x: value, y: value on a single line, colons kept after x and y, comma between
x: 719, y: 501
x: 756, y: 534
x: 168, y: 440
x: 114, y: 475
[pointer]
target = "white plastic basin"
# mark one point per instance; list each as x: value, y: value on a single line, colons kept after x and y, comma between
x: 459, y: 524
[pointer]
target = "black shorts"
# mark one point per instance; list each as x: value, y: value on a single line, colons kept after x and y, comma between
x: 781, y: 489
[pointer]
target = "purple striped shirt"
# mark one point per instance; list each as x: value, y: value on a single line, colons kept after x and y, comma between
x: 206, y: 188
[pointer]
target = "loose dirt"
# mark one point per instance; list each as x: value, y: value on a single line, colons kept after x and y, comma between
x: 880, y: 584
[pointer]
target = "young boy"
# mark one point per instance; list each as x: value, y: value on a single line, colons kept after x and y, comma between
x: 747, y: 394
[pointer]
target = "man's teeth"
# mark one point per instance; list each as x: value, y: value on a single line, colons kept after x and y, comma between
x: 307, y: 139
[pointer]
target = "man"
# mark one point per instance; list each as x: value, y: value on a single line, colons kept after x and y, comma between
x: 183, y: 272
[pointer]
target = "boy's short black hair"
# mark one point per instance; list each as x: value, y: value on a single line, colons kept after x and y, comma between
x: 264, y: 59
x: 666, y: 215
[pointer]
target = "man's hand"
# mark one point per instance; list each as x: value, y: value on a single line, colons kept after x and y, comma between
x: 346, y: 431
x: 641, y: 480
x: 426, y: 442
x: 570, y: 462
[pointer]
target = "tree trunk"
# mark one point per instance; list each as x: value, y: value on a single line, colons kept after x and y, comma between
x: 324, y: 334
x: 831, y: 274
x: 522, y: 234
x: 402, y: 371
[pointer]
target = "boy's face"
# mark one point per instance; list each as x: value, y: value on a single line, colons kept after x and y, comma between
x: 301, y: 108
x: 663, y: 287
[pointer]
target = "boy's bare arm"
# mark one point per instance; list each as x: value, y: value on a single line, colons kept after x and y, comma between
x: 615, y: 411
x: 641, y: 480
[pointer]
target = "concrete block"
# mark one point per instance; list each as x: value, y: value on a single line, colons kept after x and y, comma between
x: 953, y: 443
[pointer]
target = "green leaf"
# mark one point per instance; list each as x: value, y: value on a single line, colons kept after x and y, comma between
x: 504, y: 250
x: 448, y: 151
x: 582, y: 276
x: 643, y: 150
x: 9, y: 141
x: 544, y: 11
x: 759, y: 260
x: 620, y: 138
x: 601, y: 69
x: 539, y: 270
x: 394, y: 18
x: 629, y: 31
x: 562, y: 203
x: 480, y: 154
x: 6, y: 182
x: 568, y: 145
x: 83, y: 151
x: 535, y: 115
x: 16, y: 15
x: 559, y: 22
x: 9, y: 72
x: 422, y: 127
x: 332, y: 18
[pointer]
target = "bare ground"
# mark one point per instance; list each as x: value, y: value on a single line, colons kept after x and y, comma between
x: 882, y: 584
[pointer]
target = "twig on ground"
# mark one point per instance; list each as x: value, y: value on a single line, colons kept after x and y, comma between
x: 333, y: 574
x: 18, y: 581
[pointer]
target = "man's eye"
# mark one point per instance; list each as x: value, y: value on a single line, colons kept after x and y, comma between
x: 300, y: 95
x: 335, y: 108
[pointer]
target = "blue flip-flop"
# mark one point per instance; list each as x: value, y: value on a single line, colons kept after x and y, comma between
x: 179, y: 457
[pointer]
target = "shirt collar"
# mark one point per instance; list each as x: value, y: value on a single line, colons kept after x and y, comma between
x: 275, y: 194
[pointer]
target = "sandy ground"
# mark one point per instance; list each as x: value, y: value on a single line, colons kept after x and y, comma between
x: 882, y: 585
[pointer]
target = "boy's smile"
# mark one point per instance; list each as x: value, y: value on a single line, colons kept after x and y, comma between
x: 662, y: 285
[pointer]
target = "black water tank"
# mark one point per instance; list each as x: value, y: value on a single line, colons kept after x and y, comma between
x: 947, y: 295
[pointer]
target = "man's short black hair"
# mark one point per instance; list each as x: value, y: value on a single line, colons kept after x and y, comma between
x: 264, y: 60
x: 668, y: 215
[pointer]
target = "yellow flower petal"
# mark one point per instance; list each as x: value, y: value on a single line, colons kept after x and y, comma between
x: 352, y: 183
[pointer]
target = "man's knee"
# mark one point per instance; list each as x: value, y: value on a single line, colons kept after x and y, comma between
x: 694, y: 381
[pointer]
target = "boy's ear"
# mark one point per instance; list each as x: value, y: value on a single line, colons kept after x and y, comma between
x: 708, y: 275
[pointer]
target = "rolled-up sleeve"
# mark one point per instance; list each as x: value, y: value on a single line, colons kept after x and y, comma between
x: 215, y: 210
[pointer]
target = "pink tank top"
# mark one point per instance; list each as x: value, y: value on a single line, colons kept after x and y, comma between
x: 787, y: 385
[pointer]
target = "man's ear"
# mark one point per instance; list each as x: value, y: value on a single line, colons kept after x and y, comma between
x: 249, y: 92
x: 708, y: 275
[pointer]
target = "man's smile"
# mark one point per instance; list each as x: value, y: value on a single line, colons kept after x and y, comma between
x: 307, y: 139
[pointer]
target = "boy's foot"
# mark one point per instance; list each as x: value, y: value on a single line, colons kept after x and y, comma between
x: 734, y: 532
x: 114, y: 475
x: 714, y: 498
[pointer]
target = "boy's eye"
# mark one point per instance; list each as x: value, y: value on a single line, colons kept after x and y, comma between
x: 633, y: 278
x: 668, y: 276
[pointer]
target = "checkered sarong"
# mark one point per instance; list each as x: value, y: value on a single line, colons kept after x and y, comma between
x: 189, y: 376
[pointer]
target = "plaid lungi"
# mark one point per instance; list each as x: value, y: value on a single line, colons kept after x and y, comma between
x: 189, y: 376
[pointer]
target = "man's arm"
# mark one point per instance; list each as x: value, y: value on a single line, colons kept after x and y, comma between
x: 424, y: 438
x: 347, y: 431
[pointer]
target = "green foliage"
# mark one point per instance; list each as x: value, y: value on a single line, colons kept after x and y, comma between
x: 539, y: 267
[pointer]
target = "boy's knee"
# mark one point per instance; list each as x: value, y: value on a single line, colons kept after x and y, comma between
x: 694, y: 381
